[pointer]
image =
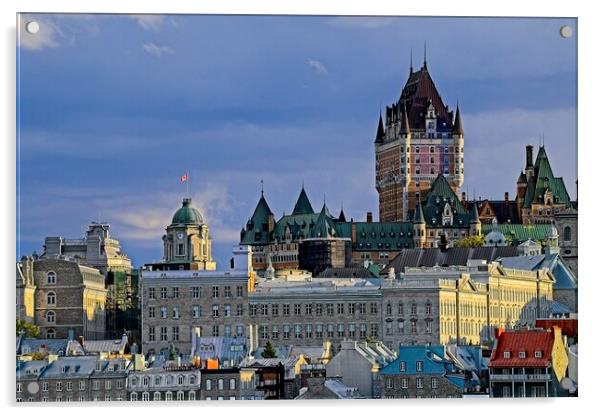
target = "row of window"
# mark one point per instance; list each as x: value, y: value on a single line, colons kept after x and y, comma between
x: 195, y: 311
x: 309, y: 309
x: 319, y: 330
x: 195, y: 292
x: 68, y: 386
x: 69, y: 398
x: 164, y: 334
x: 419, y: 383
x: 401, y: 327
x: 160, y: 380
x: 428, y: 309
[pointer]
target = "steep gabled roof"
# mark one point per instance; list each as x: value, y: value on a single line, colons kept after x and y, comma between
x: 416, y: 94
x: 256, y: 231
x: 543, y: 181
x: 437, y: 197
x: 303, y: 206
x: 324, y: 225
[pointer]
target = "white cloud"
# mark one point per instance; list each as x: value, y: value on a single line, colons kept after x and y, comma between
x: 317, y: 66
x: 47, y: 37
x: 156, y: 50
x: 148, y: 21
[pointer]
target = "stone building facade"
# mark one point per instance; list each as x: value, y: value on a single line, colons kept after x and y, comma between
x: 61, y: 297
x: 221, y: 384
x: 164, y: 382
x: 177, y: 304
x: 96, y: 249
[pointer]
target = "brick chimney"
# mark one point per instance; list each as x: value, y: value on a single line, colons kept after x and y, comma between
x: 369, y: 217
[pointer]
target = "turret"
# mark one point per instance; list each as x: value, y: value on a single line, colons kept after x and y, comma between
x: 458, y: 137
x: 380, y: 131
x: 419, y: 227
x: 529, y: 169
x: 475, y: 222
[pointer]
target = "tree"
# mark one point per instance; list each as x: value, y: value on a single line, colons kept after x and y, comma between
x: 471, y: 241
x: 268, y: 351
x: 29, y: 329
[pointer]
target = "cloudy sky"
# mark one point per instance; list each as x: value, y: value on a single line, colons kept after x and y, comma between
x: 113, y: 109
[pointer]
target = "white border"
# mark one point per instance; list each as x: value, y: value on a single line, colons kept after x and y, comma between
x: 589, y: 150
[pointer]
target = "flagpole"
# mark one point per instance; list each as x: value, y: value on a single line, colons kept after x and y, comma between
x: 188, y: 184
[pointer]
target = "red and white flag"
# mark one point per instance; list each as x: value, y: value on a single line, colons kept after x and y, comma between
x: 184, y: 178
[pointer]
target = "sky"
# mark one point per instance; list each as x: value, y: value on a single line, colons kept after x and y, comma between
x: 113, y: 109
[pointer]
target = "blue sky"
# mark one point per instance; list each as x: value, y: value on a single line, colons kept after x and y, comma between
x: 113, y: 109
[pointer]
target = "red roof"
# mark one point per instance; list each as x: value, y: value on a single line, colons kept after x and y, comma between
x: 567, y: 325
x: 527, y: 342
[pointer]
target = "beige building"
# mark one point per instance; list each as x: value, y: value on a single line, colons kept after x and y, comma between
x: 186, y: 243
x: 96, y: 249
x: 178, y: 303
x: 58, y: 295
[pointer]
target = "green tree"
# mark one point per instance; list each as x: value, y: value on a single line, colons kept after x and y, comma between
x: 268, y: 351
x: 471, y: 241
x: 29, y: 329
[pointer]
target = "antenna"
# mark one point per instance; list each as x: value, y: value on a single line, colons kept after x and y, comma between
x: 425, y: 53
x: 261, y: 186
x: 411, y: 62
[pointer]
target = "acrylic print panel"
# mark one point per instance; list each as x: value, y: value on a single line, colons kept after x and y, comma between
x: 295, y: 207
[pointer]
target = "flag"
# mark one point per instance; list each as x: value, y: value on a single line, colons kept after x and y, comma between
x: 184, y: 178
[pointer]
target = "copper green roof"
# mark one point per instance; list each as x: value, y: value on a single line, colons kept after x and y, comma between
x: 474, y: 214
x: 303, y: 206
x: 384, y: 236
x: 256, y: 231
x: 438, y: 196
x: 324, y: 225
x: 518, y: 233
x: 418, y: 214
x: 543, y: 181
x: 187, y: 214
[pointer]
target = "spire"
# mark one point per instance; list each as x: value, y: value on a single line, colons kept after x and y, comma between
x: 458, y: 129
x: 342, y: 217
x: 424, y: 63
x: 303, y: 206
x: 405, y: 125
x: 474, y: 214
x: 262, y: 187
x: 380, y: 130
x: 411, y: 63
x: 419, y: 214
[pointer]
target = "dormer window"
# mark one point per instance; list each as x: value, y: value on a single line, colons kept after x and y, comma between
x: 522, y: 355
x: 538, y: 354
x: 507, y: 354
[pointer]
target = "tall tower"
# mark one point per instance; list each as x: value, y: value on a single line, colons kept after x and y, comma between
x: 418, y: 139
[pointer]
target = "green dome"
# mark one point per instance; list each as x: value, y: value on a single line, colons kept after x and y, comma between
x: 187, y: 215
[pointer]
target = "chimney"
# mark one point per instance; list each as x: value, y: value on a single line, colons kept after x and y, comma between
x: 369, y: 217
x: 80, y: 339
x: 529, y: 156
x: 506, y: 197
x: 463, y: 197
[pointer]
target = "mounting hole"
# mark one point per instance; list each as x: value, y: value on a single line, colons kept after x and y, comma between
x: 566, y: 31
x: 32, y: 27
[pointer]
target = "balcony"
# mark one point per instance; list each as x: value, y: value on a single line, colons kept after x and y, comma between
x: 519, y: 377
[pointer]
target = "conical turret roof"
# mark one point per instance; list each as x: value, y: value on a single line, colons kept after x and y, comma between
x: 303, y: 206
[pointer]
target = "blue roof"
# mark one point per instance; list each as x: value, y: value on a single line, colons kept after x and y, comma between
x: 562, y: 274
x: 434, y: 362
x: 223, y: 348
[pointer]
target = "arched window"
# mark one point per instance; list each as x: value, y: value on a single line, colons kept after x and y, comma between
x: 180, y: 380
x: 50, y: 317
x: 168, y: 396
x: 157, y: 396
x: 145, y: 396
x: 191, y: 396
x: 567, y: 233
x: 180, y: 395
x: 50, y: 334
x: 133, y: 396
x: 51, y: 277
x: 51, y: 298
